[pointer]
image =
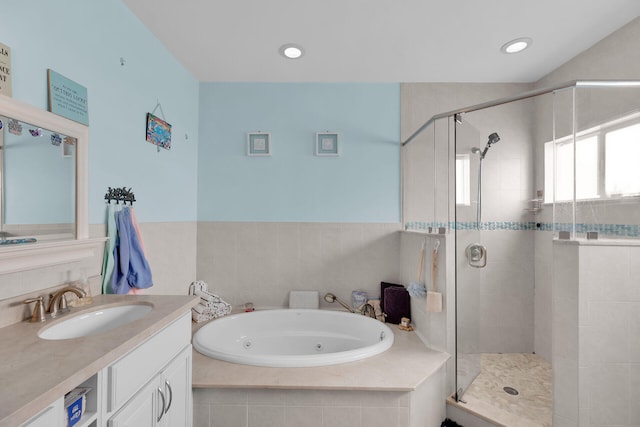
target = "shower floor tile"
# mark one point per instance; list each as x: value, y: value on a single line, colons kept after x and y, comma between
x: 529, y: 374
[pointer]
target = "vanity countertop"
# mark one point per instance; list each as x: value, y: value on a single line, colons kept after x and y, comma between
x: 35, y: 372
x: 403, y: 367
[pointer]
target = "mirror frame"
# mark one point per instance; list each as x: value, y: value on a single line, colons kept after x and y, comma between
x: 41, y: 254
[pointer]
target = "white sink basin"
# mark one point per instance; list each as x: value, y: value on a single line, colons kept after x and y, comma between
x: 94, y: 322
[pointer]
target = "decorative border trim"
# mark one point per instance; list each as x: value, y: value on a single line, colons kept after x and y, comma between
x: 620, y: 230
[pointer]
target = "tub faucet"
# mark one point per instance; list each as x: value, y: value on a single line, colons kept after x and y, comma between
x: 58, y: 302
x: 368, y: 310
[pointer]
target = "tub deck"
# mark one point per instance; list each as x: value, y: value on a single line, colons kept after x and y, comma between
x: 405, y: 366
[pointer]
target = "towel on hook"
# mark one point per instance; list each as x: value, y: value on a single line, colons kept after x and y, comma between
x: 131, y: 267
x: 134, y: 221
x: 107, y: 267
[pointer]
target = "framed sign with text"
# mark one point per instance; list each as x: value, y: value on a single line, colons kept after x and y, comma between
x: 5, y: 70
x: 67, y: 98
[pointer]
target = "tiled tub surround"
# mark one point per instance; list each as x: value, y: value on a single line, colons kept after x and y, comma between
x: 403, y: 387
x: 262, y: 261
x: 41, y: 371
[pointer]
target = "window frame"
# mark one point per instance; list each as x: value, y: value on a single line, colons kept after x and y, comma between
x: 600, y: 132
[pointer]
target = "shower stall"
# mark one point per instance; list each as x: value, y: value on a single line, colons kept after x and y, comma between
x: 526, y: 188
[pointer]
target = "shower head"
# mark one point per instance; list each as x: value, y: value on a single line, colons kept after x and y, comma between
x: 493, y: 139
x: 330, y: 298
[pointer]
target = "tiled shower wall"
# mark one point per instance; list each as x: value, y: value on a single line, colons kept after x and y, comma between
x: 505, y: 288
x: 596, y: 334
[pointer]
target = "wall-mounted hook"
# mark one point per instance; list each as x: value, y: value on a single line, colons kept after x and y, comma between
x: 122, y: 61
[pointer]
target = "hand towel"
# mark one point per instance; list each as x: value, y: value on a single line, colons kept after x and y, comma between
x: 131, y: 267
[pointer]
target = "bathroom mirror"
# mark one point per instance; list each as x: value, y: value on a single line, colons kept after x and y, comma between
x: 37, y: 182
x: 40, y: 174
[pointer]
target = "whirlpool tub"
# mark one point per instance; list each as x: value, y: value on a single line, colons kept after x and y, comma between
x: 293, y: 338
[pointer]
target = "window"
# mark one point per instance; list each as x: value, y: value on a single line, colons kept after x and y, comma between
x: 463, y: 180
x: 617, y: 143
x: 586, y: 170
x: 622, y: 174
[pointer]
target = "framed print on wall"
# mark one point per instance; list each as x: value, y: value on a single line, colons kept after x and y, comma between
x: 158, y: 131
x: 258, y: 144
x: 327, y: 144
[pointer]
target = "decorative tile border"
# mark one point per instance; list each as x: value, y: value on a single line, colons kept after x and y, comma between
x: 619, y: 230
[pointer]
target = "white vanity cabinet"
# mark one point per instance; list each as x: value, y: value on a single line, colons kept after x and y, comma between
x: 163, y: 402
x: 122, y: 369
x: 51, y: 416
x: 151, y: 385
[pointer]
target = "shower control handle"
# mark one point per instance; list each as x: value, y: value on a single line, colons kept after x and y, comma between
x: 477, y: 255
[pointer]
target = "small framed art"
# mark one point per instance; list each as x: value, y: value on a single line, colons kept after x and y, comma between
x: 258, y: 144
x: 327, y: 144
x: 158, y: 131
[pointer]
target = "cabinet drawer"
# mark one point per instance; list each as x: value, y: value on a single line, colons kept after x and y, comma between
x: 129, y: 374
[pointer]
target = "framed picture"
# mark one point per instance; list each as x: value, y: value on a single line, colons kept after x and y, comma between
x: 327, y: 144
x: 258, y: 144
x: 158, y: 131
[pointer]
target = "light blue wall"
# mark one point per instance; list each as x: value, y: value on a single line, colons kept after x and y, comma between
x: 362, y: 185
x: 84, y: 41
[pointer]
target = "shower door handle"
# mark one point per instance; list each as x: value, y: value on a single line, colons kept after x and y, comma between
x: 477, y: 255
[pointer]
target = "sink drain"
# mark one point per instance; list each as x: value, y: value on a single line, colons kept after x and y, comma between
x: 510, y: 390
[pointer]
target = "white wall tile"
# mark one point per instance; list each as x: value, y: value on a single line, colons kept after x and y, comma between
x: 605, y: 272
x: 634, y: 386
x: 228, y: 416
x: 267, y: 397
x: 307, y: 416
x: 380, y: 417
x: 262, y: 262
x: 565, y: 389
x: 266, y: 416
x: 610, y: 405
x: 342, y: 417
x: 201, y: 415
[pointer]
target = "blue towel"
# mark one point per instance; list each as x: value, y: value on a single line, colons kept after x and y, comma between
x: 131, y: 267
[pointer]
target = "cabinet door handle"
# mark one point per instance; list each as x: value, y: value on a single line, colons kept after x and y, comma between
x: 166, y: 382
x: 161, y: 407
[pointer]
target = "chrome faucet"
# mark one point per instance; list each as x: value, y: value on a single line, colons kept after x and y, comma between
x: 58, y: 302
x: 366, y: 310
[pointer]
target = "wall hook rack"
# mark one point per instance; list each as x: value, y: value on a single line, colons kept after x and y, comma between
x: 118, y: 195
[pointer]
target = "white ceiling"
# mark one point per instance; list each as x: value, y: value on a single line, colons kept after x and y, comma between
x: 378, y: 40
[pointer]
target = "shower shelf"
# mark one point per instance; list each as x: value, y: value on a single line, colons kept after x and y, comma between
x: 535, y: 206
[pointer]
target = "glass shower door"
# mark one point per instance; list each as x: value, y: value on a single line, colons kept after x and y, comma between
x: 467, y: 234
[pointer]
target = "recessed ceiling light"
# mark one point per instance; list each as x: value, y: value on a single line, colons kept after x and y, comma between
x: 517, y: 45
x: 291, y: 51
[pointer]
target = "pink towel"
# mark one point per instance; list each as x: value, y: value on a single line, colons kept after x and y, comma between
x: 135, y: 225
